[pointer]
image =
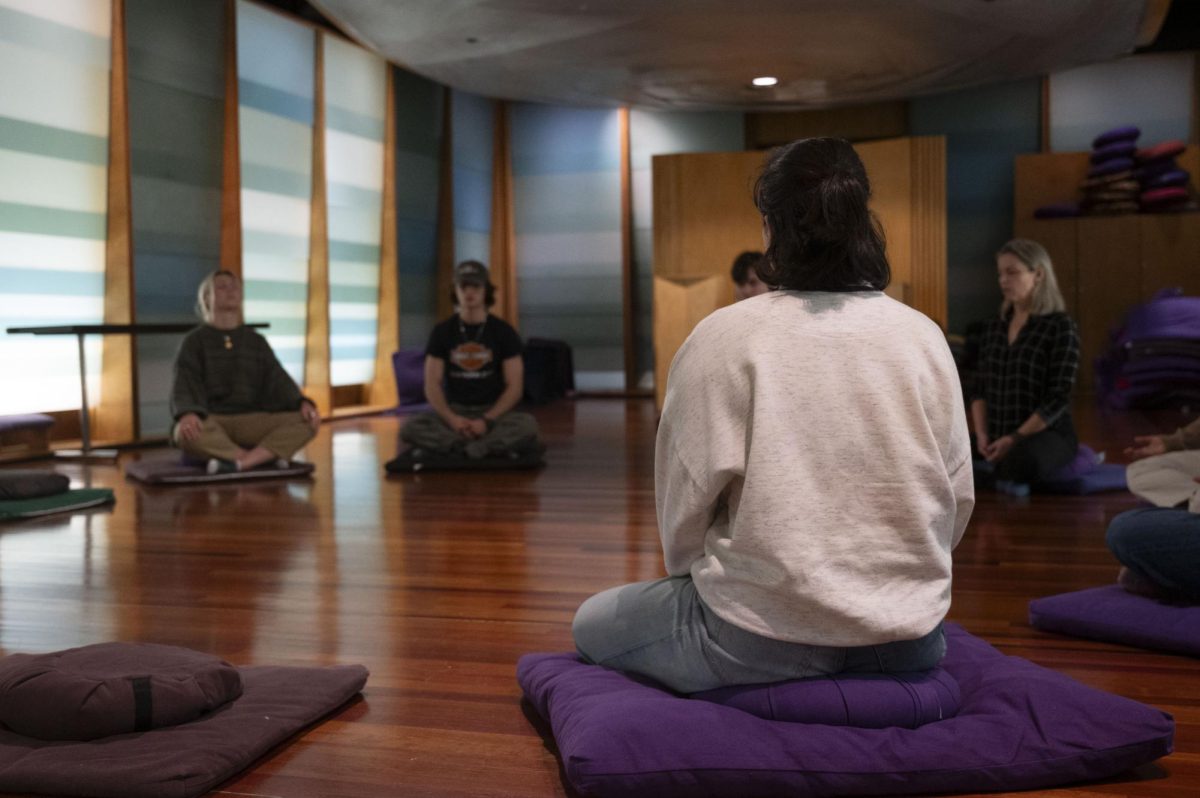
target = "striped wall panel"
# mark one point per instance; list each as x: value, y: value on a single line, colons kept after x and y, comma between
x: 566, y: 215
x: 418, y: 133
x: 54, y: 91
x: 176, y: 90
x: 276, y: 81
x: 664, y: 133
x: 355, y: 103
x: 473, y: 120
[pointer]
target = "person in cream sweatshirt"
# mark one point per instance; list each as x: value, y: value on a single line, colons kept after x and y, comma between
x: 813, y: 467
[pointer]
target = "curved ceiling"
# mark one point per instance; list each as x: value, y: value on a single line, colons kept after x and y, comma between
x: 702, y: 54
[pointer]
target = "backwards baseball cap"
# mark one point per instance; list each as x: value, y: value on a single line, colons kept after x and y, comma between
x: 471, y: 272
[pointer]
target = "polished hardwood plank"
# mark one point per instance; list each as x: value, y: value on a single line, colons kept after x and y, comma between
x: 439, y: 582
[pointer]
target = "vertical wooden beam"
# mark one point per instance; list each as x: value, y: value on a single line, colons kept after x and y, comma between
x: 316, y: 344
x: 116, y: 415
x: 628, y: 319
x: 503, y: 251
x: 1195, y: 126
x: 1044, y: 115
x: 231, y: 183
x: 928, y: 219
x: 445, y: 213
x: 382, y: 389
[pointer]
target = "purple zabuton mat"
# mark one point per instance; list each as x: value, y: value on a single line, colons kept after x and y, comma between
x: 1114, y: 615
x: 188, y: 759
x: 1019, y: 727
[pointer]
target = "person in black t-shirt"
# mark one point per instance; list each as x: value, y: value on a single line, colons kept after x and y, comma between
x: 474, y: 377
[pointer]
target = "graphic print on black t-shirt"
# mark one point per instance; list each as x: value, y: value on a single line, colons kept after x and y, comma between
x: 473, y: 354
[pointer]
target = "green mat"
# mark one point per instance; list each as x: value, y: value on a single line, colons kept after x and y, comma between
x: 81, y: 499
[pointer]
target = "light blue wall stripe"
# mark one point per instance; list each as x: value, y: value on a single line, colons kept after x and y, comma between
x: 567, y: 202
x: 347, y: 250
x: 53, y: 142
x: 548, y: 139
x: 17, y: 218
x: 35, y: 281
x: 68, y: 44
x: 353, y: 196
x: 353, y: 293
x: 277, y: 290
x: 277, y: 244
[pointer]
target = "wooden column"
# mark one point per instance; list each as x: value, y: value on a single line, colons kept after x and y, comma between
x: 231, y: 173
x: 116, y: 417
x: 628, y: 318
x: 316, y: 343
x: 445, y: 211
x: 503, y: 253
x: 928, y: 221
x: 382, y: 389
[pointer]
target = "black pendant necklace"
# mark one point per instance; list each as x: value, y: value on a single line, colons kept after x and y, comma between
x: 462, y: 330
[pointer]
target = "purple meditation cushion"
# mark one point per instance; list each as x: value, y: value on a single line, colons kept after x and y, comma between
x: 1165, y: 196
x: 408, y: 366
x: 1165, y: 149
x: 1117, y: 149
x: 111, y: 688
x: 1114, y: 615
x: 863, y: 700
x: 1057, y: 210
x: 1104, y: 478
x: 1105, y: 181
x: 1128, y: 133
x: 1175, y: 177
x: 1111, y: 166
x: 1019, y: 727
x: 25, y: 421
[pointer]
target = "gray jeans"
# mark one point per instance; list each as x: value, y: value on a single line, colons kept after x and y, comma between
x: 661, y: 629
x: 512, y: 432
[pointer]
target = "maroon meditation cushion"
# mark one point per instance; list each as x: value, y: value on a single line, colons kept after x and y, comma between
x: 111, y: 688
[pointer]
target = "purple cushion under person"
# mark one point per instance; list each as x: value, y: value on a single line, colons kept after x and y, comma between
x: 1114, y: 615
x: 408, y: 366
x: 862, y: 700
x: 181, y: 471
x: 1105, y: 477
x: 1020, y: 726
x: 1127, y: 133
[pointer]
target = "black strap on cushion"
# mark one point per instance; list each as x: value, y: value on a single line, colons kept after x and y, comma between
x: 143, y: 704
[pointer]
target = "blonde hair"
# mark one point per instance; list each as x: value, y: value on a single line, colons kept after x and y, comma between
x: 204, y: 294
x: 1033, y: 256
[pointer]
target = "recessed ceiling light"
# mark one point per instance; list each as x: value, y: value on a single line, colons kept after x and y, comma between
x: 765, y: 81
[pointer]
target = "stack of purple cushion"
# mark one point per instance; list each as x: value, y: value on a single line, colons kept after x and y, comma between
x: 1164, y: 185
x: 1110, y: 186
x: 1153, y: 358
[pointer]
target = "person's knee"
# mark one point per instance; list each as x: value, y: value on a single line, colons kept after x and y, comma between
x: 587, y: 626
x: 1124, y: 533
x: 1137, y: 472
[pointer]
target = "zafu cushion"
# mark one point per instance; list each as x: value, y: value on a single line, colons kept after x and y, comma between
x: 111, y: 688
x: 31, y: 484
x: 1117, y: 149
x: 1165, y: 149
x: 1111, y: 166
x: 1126, y: 133
x: 1164, y: 196
x: 1019, y: 727
x: 1175, y: 177
x: 1103, y: 181
x: 863, y: 700
x: 1114, y: 615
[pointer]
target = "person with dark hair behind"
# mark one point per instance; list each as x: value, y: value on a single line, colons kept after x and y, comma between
x: 1029, y: 353
x: 232, y: 401
x: 812, y: 466
x: 745, y: 276
x: 474, y: 377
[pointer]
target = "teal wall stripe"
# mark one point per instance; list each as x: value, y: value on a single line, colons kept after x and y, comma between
x: 54, y: 142
x: 275, y: 101
x: 277, y: 290
x: 276, y: 244
x: 276, y: 181
x: 353, y: 196
x: 69, y: 44
x: 347, y: 250
x: 347, y: 121
x: 19, y: 218
x: 38, y: 281
x: 365, y: 294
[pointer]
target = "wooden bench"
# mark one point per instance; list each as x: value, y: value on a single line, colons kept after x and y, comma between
x: 23, y: 437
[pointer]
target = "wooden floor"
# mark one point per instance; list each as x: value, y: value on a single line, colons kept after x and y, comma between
x: 438, y: 583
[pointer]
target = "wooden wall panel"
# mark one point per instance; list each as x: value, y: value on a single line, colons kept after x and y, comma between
x: 116, y: 413
x: 503, y: 244
x: 381, y: 391
x: 855, y: 123
x: 679, y: 305
x: 704, y: 216
x: 1045, y: 178
x: 1170, y: 253
x: 316, y: 342
x: 1109, y: 282
x: 628, y: 317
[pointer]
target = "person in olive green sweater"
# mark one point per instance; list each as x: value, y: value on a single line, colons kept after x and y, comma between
x: 232, y: 401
